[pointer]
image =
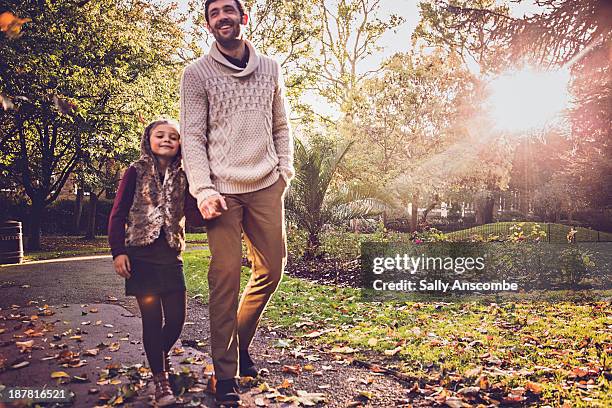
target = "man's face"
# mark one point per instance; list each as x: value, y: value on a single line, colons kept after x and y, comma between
x: 224, y: 20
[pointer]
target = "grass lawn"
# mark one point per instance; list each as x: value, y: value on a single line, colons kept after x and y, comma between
x: 559, y: 352
x: 72, y: 246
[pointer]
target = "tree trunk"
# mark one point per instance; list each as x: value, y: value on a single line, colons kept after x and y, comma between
x: 484, y: 210
x: 36, y: 216
x: 78, y: 211
x: 91, y: 217
x: 312, y: 246
x: 524, y: 202
x: 430, y: 207
x: 414, y: 217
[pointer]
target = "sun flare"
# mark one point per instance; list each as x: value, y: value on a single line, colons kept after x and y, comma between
x: 528, y: 100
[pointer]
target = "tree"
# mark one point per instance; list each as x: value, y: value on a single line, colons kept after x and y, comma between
x: 351, y: 31
x: 573, y: 34
x: 283, y: 29
x: 405, y: 117
x: 313, y: 202
x: 71, y: 78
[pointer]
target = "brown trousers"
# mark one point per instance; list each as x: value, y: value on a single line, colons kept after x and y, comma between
x: 260, y: 216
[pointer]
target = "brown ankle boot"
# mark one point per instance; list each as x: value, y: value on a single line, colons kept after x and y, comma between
x: 163, y: 391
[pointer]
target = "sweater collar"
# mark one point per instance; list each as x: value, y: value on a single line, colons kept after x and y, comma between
x: 251, y: 66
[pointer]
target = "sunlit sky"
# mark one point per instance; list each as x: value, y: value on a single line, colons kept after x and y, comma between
x: 393, y: 42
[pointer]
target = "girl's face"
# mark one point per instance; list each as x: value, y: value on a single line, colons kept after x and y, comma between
x: 165, y: 141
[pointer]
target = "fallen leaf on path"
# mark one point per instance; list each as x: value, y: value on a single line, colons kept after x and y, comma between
x: 469, y: 391
x: 393, y: 351
x: 66, y: 356
x: 366, y: 394
x: 310, y: 399
x: 534, y: 387
x: 343, y: 350
x: 454, y: 402
x: 513, y: 399
x: 20, y: 365
x: 473, y: 372
x: 366, y: 381
x: 59, y: 374
x: 77, y: 364
x: 292, y: 369
x: 91, y: 352
x: 25, y: 346
x: 483, y: 382
x: 33, y: 333
x: 11, y: 25
x: 287, y: 383
x: 282, y: 343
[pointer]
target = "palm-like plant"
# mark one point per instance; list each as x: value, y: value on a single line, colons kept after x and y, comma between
x: 312, y: 203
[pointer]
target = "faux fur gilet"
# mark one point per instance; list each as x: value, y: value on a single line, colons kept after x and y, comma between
x: 157, y: 204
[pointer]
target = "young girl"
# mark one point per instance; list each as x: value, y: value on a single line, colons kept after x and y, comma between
x: 147, y: 235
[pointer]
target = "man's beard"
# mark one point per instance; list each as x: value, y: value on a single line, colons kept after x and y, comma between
x: 232, y: 39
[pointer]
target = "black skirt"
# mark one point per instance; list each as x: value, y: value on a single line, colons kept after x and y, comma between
x: 154, y: 279
x: 155, y: 269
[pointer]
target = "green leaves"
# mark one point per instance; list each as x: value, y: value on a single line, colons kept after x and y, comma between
x: 71, y: 88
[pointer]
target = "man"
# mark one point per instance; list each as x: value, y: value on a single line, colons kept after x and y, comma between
x: 238, y: 155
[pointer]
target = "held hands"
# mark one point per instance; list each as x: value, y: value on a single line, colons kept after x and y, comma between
x: 122, y: 266
x: 212, y: 206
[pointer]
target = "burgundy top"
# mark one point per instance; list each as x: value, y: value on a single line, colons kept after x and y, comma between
x: 121, y: 209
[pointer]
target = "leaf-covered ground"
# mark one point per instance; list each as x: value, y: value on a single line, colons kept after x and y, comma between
x: 555, y: 354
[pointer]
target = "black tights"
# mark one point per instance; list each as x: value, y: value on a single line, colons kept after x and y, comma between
x: 159, y: 340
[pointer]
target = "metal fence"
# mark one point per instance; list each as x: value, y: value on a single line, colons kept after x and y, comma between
x: 555, y: 233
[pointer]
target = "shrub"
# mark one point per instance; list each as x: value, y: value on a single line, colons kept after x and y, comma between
x: 511, y: 216
x: 297, y: 240
x: 57, y: 218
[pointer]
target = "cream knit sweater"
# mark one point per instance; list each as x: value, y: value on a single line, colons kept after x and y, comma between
x: 235, y: 134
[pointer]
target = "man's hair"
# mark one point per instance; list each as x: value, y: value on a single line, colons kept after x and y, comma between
x: 209, y: 2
